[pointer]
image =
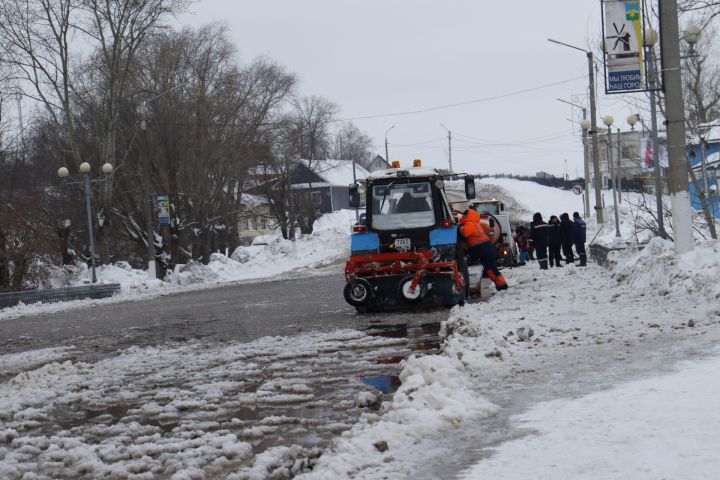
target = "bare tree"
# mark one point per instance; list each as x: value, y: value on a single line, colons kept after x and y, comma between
x: 705, y: 10
x: 313, y: 116
x: 35, y: 40
x: 351, y: 143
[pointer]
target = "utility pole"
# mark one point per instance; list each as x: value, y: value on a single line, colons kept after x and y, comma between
x: 387, y: 155
x: 593, y: 132
x: 618, y: 166
x: 675, y: 119
x: 449, y: 147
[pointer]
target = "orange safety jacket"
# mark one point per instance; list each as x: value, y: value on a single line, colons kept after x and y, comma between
x: 471, y: 230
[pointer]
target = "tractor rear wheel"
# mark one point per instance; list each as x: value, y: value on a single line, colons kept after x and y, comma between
x: 358, y: 293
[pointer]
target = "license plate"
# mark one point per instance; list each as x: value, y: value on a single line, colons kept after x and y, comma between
x: 402, y: 243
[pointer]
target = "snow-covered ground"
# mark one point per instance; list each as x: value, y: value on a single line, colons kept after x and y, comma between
x: 661, y: 427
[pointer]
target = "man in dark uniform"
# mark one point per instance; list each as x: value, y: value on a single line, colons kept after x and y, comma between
x: 579, y: 238
x: 539, y: 237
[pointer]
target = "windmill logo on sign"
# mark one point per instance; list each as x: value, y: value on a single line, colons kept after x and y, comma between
x: 621, y: 37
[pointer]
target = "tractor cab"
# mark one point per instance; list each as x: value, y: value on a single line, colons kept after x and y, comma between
x: 406, y: 250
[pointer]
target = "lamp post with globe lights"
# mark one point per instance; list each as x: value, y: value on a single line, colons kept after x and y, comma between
x: 650, y: 38
x: 86, y: 182
x: 692, y: 36
x: 608, y: 121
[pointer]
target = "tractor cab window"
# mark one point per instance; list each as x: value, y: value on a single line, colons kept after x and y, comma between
x: 485, y: 208
x: 402, y: 206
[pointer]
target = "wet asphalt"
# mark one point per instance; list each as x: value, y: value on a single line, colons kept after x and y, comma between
x: 239, y: 312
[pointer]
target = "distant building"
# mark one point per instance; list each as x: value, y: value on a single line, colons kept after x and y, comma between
x: 542, y: 174
x: 255, y: 218
x: 705, y: 148
x: 627, y: 155
x: 326, y: 182
x: 377, y: 163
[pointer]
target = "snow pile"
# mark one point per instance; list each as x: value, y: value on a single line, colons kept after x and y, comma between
x: 620, y: 433
x: 121, y: 272
x: 658, y: 269
x: 525, y: 198
x: 274, y: 255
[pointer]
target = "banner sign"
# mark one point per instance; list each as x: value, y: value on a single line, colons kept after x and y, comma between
x: 646, y: 153
x: 162, y: 205
x: 623, y: 45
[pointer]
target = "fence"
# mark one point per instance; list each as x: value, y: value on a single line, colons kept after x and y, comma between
x: 59, y: 294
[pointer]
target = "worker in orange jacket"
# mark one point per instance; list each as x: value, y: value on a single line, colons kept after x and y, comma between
x: 475, y: 236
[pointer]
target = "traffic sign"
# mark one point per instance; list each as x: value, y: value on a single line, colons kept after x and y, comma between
x: 578, y: 189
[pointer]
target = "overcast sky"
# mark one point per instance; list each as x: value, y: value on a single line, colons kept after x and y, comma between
x: 376, y: 57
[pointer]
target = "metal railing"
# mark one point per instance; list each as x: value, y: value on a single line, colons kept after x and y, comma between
x: 53, y: 295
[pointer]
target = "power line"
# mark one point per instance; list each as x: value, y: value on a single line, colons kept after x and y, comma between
x: 468, y: 102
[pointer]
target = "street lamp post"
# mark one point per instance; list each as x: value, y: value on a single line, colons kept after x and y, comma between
x: 85, y: 168
x: 585, y: 124
x: 143, y: 111
x: 449, y: 147
x: 387, y: 155
x: 632, y: 121
x: 650, y: 38
x: 593, y: 129
x: 608, y: 121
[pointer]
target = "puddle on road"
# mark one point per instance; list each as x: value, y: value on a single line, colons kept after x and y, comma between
x: 422, y: 338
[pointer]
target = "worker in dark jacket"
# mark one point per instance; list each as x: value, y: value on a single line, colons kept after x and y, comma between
x: 567, y: 226
x: 554, y: 241
x: 579, y: 229
x: 479, y: 246
x: 539, y: 235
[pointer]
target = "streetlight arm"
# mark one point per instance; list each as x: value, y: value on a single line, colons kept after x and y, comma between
x: 570, y: 103
x: 567, y: 45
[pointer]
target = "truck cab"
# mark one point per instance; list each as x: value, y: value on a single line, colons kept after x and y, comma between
x: 406, y: 250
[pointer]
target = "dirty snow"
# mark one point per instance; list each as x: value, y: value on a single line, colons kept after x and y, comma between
x: 186, y: 411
